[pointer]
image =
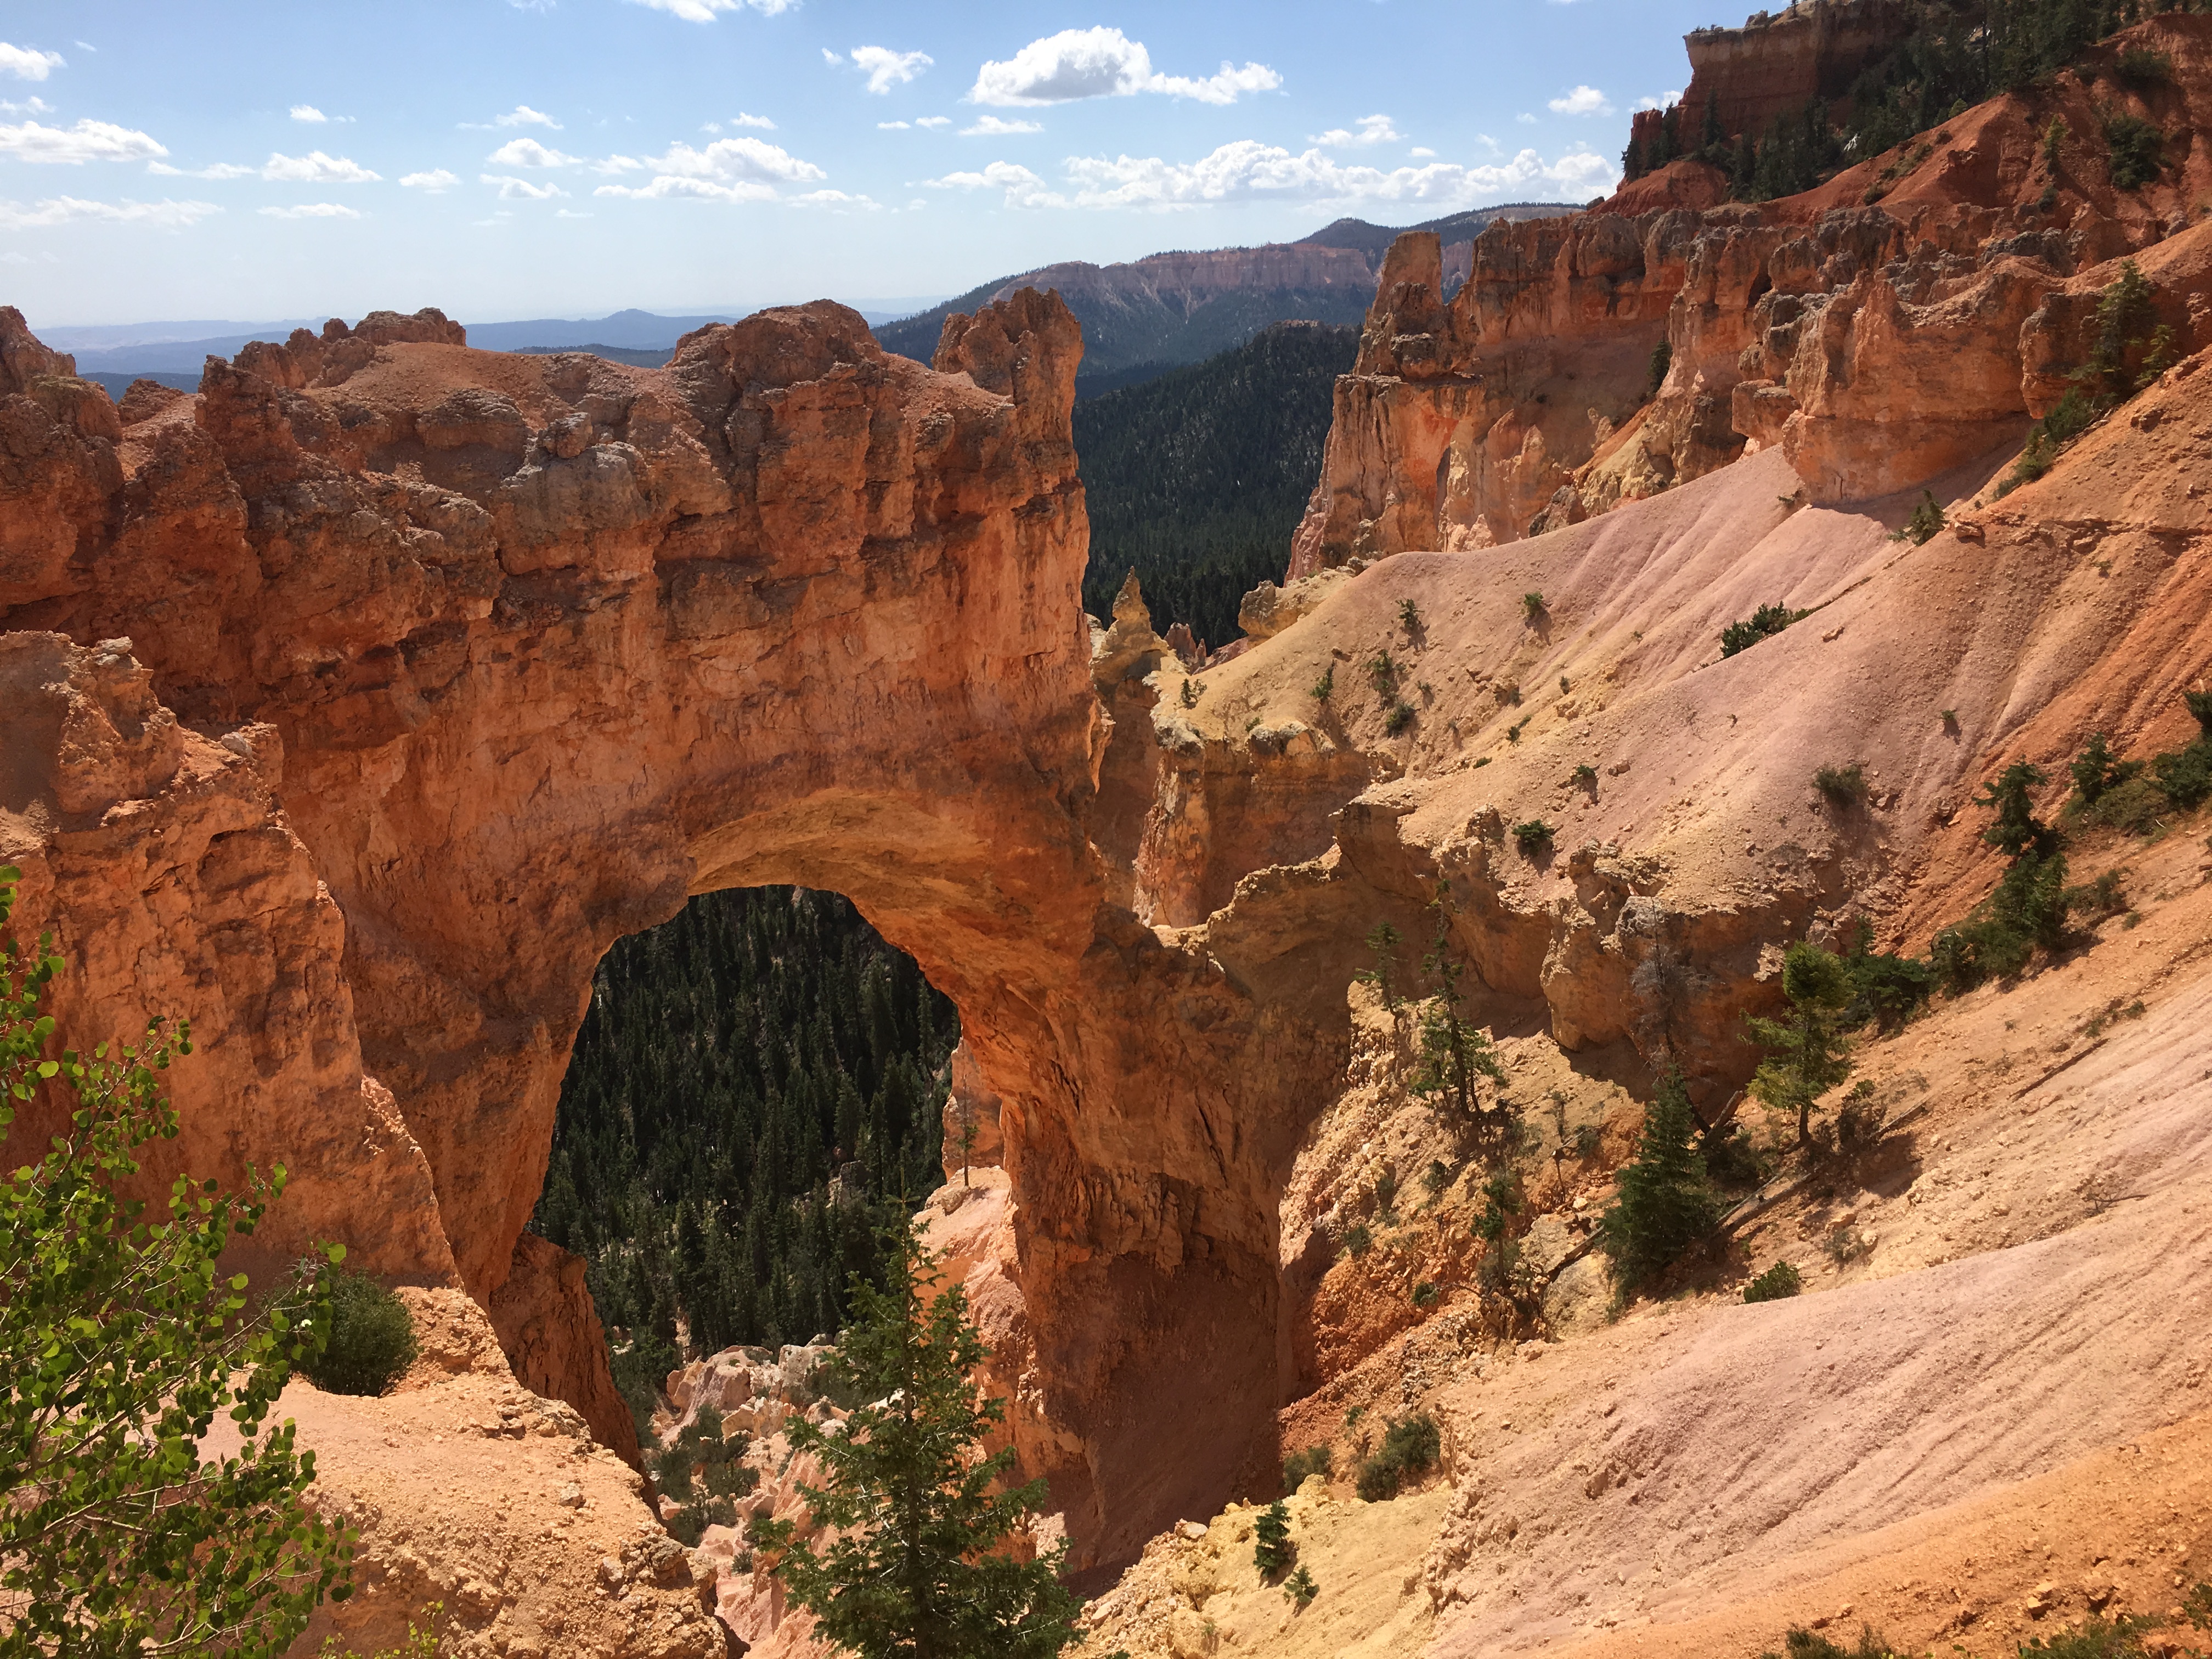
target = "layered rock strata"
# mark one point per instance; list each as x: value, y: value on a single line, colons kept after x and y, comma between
x: 1905, y: 310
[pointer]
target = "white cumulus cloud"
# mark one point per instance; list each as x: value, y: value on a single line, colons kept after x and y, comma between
x: 88, y: 141
x: 213, y: 170
x: 511, y: 189
x: 316, y: 168
x: 1249, y: 171
x: 1103, y: 63
x: 1582, y: 101
x: 529, y: 153
x: 835, y: 201
x: 992, y: 126
x: 26, y: 64
x: 312, y: 210
x: 704, y: 11
x: 522, y: 116
x: 1664, y: 101
x: 307, y: 113
x: 1023, y: 189
x: 70, y: 210
x: 742, y: 119
x: 33, y: 104
x: 1367, y: 130
x: 1422, y: 151
x: 674, y: 187
x: 933, y: 120
x: 728, y: 170
x: 892, y: 126
x: 434, y: 182
x: 886, y: 69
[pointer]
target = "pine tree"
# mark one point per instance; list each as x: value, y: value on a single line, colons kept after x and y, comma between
x: 1808, y: 1053
x: 918, y: 1568
x: 1452, y: 1051
x: 1665, y: 1203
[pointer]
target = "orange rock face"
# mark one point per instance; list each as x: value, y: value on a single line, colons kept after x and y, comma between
x: 1910, y: 313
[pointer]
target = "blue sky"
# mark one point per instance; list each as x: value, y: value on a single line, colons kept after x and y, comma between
x: 504, y: 159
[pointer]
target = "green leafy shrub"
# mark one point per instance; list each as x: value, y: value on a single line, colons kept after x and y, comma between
x: 1301, y: 1588
x: 1271, y: 1553
x: 1780, y: 1280
x: 121, y: 1340
x: 1845, y: 785
x: 1399, y: 717
x: 1410, y: 1448
x: 1664, y: 1202
x: 1662, y: 359
x: 1358, y: 1240
x: 1501, y: 1202
x: 1885, y: 987
x: 1383, y: 670
x: 1763, y: 623
x: 1424, y: 1295
x: 1300, y: 1466
x: 1535, y: 836
x: 1409, y: 617
x: 2137, y: 149
x: 2096, y: 770
x: 2144, y: 66
x: 2138, y: 806
x: 2096, y: 1638
x: 1325, y: 687
x: 1436, y: 1178
x: 1926, y: 521
x: 2184, y: 777
x: 1585, y: 776
x: 1811, y: 1644
x: 1532, y: 605
x: 371, y: 1339
x: 1589, y: 1141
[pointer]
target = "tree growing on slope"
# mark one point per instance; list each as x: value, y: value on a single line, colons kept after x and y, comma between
x: 1808, y: 1052
x: 1664, y: 1202
x: 120, y: 1342
x: 917, y: 1569
x: 1453, y: 1051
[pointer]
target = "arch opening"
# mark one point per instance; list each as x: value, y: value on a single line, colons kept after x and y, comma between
x: 755, y: 1093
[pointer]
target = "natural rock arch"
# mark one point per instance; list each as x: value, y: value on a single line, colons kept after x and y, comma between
x: 429, y: 673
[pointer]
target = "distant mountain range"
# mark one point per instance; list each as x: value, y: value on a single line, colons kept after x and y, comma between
x: 1144, y: 317
x: 1139, y: 319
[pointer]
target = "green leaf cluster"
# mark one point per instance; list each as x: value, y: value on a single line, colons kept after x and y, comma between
x: 122, y: 1340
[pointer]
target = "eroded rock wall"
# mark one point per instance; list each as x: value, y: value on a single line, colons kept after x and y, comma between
x: 1902, y: 309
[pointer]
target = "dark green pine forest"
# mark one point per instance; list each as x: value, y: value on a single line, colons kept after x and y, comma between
x: 1197, y: 479
x: 756, y: 1091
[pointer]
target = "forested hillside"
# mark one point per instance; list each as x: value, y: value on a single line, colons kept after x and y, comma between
x: 757, y: 1088
x: 1196, y: 480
